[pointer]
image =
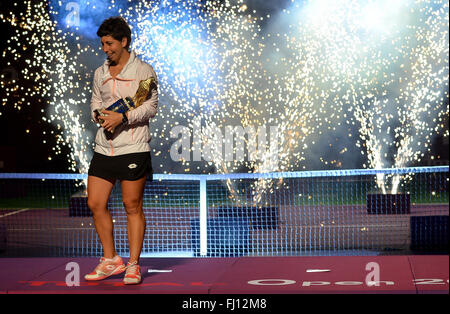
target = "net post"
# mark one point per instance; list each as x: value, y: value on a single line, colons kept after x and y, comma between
x: 203, y: 218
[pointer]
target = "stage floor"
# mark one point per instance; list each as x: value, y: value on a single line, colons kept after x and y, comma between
x: 245, y: 275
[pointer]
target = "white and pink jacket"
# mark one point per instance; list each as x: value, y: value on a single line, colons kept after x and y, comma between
x: 135, y: 136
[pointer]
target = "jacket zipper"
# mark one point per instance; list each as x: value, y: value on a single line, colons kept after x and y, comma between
x: 110, y: 141
x: 112, y: 148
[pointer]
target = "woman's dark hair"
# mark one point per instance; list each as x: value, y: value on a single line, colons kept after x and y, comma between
x: 117, y: 28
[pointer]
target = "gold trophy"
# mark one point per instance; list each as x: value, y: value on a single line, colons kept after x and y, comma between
x: 129, y: 103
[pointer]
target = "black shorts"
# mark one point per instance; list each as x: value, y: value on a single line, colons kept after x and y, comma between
x: 122, y: 167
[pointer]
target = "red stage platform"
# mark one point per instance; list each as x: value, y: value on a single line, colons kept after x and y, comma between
x: 245, y: 275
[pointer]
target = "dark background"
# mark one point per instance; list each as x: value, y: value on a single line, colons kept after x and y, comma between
x: 22, y: 151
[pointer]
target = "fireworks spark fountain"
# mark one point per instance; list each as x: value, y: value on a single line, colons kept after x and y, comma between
x: 316, y: 65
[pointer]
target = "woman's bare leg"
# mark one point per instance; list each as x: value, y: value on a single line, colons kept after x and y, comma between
x: 98, y: 193
x: 132, y: 196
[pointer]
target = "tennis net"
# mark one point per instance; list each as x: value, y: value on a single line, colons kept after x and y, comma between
x: 340, y: 212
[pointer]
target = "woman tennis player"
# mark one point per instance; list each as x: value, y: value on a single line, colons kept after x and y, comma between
x: 122, y: 149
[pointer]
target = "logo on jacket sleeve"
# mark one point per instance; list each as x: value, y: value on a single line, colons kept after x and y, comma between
x: 132, y: 166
